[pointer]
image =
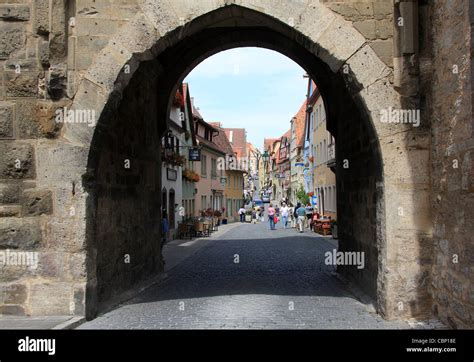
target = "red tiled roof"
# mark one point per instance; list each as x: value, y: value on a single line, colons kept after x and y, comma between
x: 238, y: 140
x: 299, y: 124
x: 221, y: 140
x: 208, y: 144
x: 267, y: 142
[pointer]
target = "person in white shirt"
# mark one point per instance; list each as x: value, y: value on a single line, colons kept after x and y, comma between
x: 242, y: 214
x: 285, y: 212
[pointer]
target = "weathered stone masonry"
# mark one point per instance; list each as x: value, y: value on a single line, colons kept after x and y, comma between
x: 70, y: 199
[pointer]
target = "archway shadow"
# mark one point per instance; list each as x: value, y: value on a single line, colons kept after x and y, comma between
x: 290, y: 265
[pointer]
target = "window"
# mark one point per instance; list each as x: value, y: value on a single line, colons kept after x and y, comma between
x: 203, y: 165
x: 171, y: 211
x: 213, y: 167
x: 317, y: 118
x: 325, y: 151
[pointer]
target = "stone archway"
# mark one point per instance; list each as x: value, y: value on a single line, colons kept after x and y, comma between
x: 150, y: 44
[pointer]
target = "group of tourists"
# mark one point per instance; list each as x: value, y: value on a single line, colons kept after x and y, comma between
x: 299, y: 216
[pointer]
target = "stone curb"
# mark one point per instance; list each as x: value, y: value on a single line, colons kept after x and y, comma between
x: 71, y: 323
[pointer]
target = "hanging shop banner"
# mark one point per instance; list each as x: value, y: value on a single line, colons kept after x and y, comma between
x: 194, y: 154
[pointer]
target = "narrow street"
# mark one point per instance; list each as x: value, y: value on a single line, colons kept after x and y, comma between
x: 279, y: 282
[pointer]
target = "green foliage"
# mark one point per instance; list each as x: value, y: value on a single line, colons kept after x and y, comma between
x: 302, y: 196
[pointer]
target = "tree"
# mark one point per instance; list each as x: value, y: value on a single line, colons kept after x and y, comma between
x: 302, y: 196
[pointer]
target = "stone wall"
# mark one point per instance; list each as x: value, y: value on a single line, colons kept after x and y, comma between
x: 64, y: 194
x: 32, y: 76
x: 450, y: 101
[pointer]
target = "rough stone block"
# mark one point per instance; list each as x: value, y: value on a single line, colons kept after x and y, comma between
x: 15, y: 12
x: 83, y: 59
x: 50, y: 299
x: 53, y: 265
x: 13, y: 293
x: 41, y: 22
x: 57, y: 82
x: 382, y: 9
x: 17, y: 161
x: 65, y: 235
x: 12, y: 37
x: 384, y: 29
x: 20, y: 234
x: 6, y: 120
x: 21, y: 64
x: 10, y: 211
x: 9, y: 193
x: 384, y: 49
x: 77, y: 266
x: 61, y: 164
x: 366, y: 28
x: 37, y: 202
x: 12, y: 310
x: 24, y: 84
x: 43, y: 53
x: 37, y: 119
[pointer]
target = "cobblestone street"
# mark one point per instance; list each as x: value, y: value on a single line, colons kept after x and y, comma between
x: 249, y: 277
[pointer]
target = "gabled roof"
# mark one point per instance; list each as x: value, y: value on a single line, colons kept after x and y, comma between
x: 238, y: 139
x: 267, y: 142
x: 221, y: 140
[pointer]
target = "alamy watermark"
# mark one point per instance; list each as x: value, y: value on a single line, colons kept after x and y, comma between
x: 65, y: 115
x: 26, y: 259
x: 231, y: 163
x: 392, y: 115
x: 334, y: 257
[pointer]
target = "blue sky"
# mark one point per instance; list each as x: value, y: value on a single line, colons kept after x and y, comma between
x: 254, y: 88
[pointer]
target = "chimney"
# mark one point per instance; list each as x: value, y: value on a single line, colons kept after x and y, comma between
x: 231, y: 133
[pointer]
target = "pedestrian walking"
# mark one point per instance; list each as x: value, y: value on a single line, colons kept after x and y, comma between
x: 309, y: 215
x: 301, y: 214
x: 291, y: 213
x: 271, y: 216
x: 285, y: 211
x: 242, y: 214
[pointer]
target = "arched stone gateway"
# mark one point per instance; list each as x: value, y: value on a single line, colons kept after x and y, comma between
x: 161, y: 45
x: 106, y: 213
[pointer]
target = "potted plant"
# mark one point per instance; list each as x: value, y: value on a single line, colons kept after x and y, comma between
x: 334, y: 229
x: 191, y: 175
x: 218, y: 214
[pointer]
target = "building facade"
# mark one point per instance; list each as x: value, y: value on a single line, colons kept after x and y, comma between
x: 324, y: 178
x: 211, y: 185
x: 233, y: 175
x: 283, y: 168
x: 297, y: 153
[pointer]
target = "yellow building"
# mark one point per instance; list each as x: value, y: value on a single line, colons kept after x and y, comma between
x: 234, y: 174
x: 324, y: 178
